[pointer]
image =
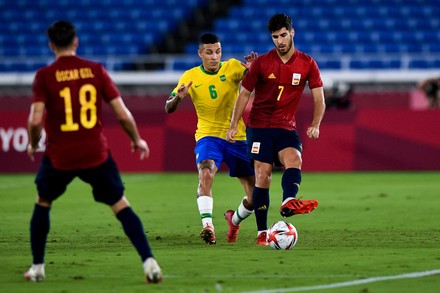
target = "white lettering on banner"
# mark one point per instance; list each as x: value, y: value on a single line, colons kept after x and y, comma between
x: 6, y: 137
x: 19, y: 139
x: 42, y: 142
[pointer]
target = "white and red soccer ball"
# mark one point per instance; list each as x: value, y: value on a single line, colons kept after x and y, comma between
x: 282, y: 235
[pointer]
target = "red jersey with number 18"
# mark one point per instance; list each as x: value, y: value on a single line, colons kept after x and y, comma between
x: 278, y: 88
x: 72, y: 89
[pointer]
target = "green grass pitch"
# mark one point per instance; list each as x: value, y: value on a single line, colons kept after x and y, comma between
x: 367, y: 225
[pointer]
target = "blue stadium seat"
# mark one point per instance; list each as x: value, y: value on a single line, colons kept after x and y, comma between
x: 183, y: 65
x: 375, y: 64
x: 329, y: 64
x: 424, y: 64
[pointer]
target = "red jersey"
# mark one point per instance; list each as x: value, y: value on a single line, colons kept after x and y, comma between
x: 72, y: 90
x: 278, y: 88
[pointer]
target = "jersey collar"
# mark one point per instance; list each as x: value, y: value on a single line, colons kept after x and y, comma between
x: 210, y: 73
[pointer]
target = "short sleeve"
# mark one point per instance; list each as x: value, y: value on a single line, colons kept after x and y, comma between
x: 315, y: 76
x: 38, y: 88
x: 110, y: 90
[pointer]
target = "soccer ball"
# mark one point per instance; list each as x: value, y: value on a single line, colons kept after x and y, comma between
x: 282, y: 235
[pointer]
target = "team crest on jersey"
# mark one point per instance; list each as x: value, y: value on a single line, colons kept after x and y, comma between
x: 256, y: 147
x: 222, y: 77
x: 296, y: 78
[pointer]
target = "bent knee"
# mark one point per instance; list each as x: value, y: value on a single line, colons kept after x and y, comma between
x: 206, y: 168
x: 43, y: 202
x: 263, y: 177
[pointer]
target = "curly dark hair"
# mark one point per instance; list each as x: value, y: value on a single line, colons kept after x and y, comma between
x: 278, y: 21
x: 61, y: 33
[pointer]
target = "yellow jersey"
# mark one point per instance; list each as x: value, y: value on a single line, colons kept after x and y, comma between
x: 213, y: 95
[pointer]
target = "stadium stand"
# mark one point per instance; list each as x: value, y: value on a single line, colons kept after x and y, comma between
x: 339, y: 34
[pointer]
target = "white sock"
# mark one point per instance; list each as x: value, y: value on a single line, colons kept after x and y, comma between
x: 205, y: 204
x: 38, y: 266
x: 240, y: 214
x: 286, y: 200
x: 259, y: 232
x: 148, y: 263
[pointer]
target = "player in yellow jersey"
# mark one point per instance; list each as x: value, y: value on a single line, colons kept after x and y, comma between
x: 213, y: 88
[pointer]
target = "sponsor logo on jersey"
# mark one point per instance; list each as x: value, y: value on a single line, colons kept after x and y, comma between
x: 256, y: 147
x: 271, y: 76
x: 222, y: 77
x: 296, y: 78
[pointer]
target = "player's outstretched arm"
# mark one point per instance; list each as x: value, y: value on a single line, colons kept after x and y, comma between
x: 240, y: 105
x: 35, y: 126
x: 318, y: 112
x: 173, y: 101
x: 128, y: 123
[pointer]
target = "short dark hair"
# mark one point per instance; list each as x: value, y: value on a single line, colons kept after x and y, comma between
x: 61, y: 33
x: 208, y: 38
x: 278, y: 21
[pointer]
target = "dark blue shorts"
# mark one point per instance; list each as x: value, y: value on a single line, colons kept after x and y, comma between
x: 233, y: 154
x: 264, y: 144
x: 105, y: 180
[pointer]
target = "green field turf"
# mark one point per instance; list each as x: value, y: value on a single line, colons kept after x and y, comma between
x: 367, y: 226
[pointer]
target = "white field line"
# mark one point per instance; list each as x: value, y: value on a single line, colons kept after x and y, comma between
x: 350, y: 283
x: 236, y: 276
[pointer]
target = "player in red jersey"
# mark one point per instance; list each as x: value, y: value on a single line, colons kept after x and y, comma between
x: 68, y: 97
x: 278, y: 79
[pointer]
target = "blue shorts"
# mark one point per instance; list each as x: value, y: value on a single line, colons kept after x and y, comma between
x: 105, y: 180
x: 219, y: 150
x: 264, y: 144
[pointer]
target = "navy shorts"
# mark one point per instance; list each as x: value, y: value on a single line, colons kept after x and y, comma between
x: 105, y: 180
x: 233, y: 154
x: 264, y: 144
